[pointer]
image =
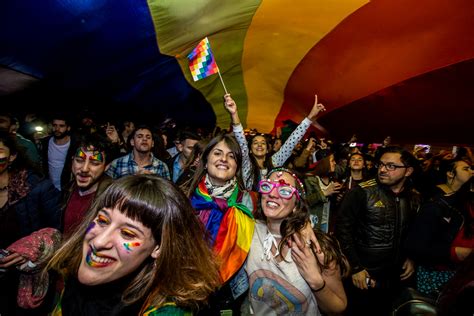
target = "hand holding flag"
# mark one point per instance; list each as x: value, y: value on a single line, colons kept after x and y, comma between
x: 202, y: 63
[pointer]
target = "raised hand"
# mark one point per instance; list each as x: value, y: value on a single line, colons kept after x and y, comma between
x: 317, y: 107
x: 231, y: 107
x: 112, y: 133
x: 230, y: 104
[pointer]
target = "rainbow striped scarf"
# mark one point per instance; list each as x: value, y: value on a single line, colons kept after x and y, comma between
x: 230, y: 225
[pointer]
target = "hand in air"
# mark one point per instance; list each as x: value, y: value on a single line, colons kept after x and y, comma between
x: 317, y: 108
x: 230, y: 104
x: 112, y: 133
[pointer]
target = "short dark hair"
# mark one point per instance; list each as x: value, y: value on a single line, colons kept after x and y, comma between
x: 406, y: 157
x: 143, y: 126
x: 188, y: 134
x: 62, y: 117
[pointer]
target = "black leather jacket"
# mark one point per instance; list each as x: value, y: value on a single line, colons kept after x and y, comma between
x: 372, y: 226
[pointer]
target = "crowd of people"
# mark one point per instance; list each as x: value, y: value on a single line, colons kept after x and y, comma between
x: 133, y: 220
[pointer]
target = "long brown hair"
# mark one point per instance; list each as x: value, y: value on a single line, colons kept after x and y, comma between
x: 163, y: 208
x: 297, y: 220
x: 201, y: 170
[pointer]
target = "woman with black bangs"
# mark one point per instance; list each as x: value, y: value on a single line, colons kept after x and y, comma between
x: 136, y: 254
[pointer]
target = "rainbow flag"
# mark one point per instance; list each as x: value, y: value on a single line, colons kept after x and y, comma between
x: 201, y: 61
x: 231, y: 231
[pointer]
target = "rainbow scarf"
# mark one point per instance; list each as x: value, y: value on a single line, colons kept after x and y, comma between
x: 230, y: 225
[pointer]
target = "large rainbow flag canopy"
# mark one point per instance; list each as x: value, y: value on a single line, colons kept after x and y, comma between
x: 401, y: 68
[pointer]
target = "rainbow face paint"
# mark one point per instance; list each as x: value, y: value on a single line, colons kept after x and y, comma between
x: 97, y: 261
x: 93, y: 155
x: 129, y: 245
x: 91, y: 226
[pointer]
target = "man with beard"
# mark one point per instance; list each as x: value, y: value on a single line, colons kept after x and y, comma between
x: 141, y: 159
x: 88, y: 169
x: 57, y: 151
x: 371, y: 227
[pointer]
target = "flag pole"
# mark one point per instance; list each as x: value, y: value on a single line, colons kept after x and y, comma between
x: 222, y: 81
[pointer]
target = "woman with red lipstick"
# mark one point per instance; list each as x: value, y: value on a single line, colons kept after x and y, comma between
x: 292, y: 269
x: 124, y: 258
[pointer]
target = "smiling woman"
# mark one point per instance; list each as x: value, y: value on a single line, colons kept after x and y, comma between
x: 290, y: 260
x: 224, y: 207
x: 122, y: 260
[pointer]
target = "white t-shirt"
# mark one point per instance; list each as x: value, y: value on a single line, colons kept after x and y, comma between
x: 276, y: 288
x: 56, y: 159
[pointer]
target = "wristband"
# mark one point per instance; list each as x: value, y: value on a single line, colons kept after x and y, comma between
x: 322, y: 287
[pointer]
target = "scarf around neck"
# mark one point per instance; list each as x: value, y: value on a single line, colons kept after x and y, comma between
x: 230, y: 225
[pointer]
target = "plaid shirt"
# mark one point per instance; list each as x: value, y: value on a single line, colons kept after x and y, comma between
x: 126, y: 165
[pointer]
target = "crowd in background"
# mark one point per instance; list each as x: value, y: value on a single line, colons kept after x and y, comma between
x: 291, y: 223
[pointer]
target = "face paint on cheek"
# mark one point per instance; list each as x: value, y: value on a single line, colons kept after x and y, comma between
x: 129, y: 245
x: 91, y: 226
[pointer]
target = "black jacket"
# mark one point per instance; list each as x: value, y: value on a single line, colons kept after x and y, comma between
x: 372, y: 226
x: 436, y: 226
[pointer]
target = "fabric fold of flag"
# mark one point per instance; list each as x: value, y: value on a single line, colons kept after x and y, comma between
x: 201, y: 61
x: 231, y: 228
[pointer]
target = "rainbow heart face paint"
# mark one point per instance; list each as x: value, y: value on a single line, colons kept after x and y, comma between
x: 129, y: 245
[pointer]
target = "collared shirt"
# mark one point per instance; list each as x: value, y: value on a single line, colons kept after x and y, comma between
x: 126, y: 165
x: 177, y: 168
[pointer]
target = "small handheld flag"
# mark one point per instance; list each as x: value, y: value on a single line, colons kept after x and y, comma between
x: 202, y: 63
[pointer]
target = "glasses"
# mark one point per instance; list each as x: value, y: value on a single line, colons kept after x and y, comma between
x: 389, y: 166
x: 285, y: 191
